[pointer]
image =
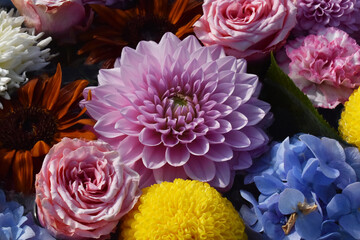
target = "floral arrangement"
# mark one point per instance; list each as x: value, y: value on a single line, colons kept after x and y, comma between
x: 179, y: 119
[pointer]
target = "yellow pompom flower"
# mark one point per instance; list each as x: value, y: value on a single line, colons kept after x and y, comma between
x: 183, y: 209
x: 349, y: 126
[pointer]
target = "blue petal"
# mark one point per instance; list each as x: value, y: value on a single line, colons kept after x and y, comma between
x: 289, y: 158
x: 268, y: 184
x: 309, y: 226
x: 351, y: 224
x: 353, y: 194
x: 310, y: 169
x: 338, y: 206
x: 289, y: 200
x: 325, y: 149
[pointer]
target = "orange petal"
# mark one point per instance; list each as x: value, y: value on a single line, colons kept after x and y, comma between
x: 6, y: 159
x: 26, y: 92
x: 90, y: 122
x: 160, y: 8
x: 52, y: 89
x: 76, y: 134
x: 68, y: 95
x: 177, y: 10
x: 40, y: 149
x: 187, y: 28
x: 23, y: 172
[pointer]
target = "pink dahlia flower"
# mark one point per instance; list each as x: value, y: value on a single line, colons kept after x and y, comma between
x: 312, y: 15
x: 246, y: 28
x: 326, y: 66
x: 61, y: 19
x: 185, y: 111
x: 83, y: 190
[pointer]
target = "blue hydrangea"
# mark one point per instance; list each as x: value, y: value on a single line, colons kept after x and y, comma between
x: 15, y: 226
x: 306, y: 192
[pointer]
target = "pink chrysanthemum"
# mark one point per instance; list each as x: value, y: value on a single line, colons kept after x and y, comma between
x: 185, y: 111
x: 326, y: 66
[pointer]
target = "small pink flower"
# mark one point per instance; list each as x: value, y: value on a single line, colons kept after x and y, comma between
x: 326, y: 66
x: 61, y: 19
x: 83, y: 190
x: 246, y: 28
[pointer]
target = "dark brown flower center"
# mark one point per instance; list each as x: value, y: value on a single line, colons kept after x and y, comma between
x: 146, y: 28
x: 23, y: 127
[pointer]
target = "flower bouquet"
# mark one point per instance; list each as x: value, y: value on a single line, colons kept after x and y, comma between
x: 179, y: 119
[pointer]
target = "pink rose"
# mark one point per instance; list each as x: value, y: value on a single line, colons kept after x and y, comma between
x: 83, y: 189
x: 61, y: 19
x: 246, y: 28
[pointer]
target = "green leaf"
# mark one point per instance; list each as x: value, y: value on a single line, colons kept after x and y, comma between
x: 293, y: 111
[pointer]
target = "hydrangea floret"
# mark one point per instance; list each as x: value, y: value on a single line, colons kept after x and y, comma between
x: 186, y: 111
x: 21, y: 50
x: 15, y: 226
x: 302, y: 182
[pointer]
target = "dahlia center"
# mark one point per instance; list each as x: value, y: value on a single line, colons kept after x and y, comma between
x: 149, y: 28
x: 179, y: 100
x: 22, y: 128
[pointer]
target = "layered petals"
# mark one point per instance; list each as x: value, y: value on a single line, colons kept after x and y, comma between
x: 189, y: 107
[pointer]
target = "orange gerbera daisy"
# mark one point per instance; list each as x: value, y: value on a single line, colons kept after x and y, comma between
x: 149, y: 20
x: 41, y: 115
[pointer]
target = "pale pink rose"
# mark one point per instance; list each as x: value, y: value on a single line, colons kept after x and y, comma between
x: 61, y: 19
x: 246, y: 28
x: 325, y: 66
x: 83, y: 190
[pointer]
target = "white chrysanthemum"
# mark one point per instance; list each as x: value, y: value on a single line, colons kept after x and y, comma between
x: 20, y: 51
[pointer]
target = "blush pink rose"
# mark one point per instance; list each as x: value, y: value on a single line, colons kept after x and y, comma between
x: 83, y: 189
x: 61, y: 19
x: 246, y: 28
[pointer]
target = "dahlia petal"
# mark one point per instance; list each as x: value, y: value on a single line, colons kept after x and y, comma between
x: 223, y: 109
x: 169, y: 173
x: 219, y: 153
x: 187, y: 136
x: 225, y: 64
x: 244, y: 91
x: 105, y: 125
x: 149, y: 137
x: 215, y: 138
x: 200, y: 168
x: 242, y: 160
x: 223, y: 175
x: 146, y: 175
x: 199, y: 146
x: 106, y: 76
x: 253, y: 113
x: 177, y: 156
x: 127, y: 127
x: 154, y: 157
x: 225, y: 126
x: 234, y: 102
x: 256, y: 136
x: 237, y: 119
x: 130, y: 149
x: 237, y: 139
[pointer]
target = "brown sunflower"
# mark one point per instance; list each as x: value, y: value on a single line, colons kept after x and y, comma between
x: 40, y: 116
x: 149, y: 20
